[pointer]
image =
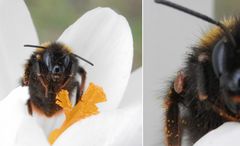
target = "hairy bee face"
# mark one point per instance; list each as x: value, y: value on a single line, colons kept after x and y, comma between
x: 56, y: 63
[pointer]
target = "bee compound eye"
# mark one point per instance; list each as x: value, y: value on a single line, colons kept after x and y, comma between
x: 233, y: 83
x: 236, y: 80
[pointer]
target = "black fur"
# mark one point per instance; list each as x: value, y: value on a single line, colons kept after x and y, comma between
x: 44, y: 98
x: 199, y: 115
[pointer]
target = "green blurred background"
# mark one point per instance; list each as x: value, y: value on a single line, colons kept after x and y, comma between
x: 52, y: 17
x: 226, y: 8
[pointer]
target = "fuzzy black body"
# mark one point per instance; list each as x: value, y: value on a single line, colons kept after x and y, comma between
x: 47, y: 72
x: 198, y: 101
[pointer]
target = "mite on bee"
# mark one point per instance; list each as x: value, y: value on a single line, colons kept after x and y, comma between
x: 206, y: 92
x: 51, y: 68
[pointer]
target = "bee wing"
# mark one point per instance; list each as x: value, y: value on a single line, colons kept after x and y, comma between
x: 104, y: 38
x: 16, y: 29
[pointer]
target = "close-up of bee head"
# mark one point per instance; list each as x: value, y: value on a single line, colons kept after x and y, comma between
x: 205, y: 93
x: 54, y: 62
x: 51, y: 68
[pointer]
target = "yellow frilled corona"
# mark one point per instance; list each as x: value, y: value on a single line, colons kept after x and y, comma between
x: 84, y: 108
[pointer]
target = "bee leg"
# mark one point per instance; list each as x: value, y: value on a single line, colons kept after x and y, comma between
x: 69, y: 79
x: 82, y: 73
x: 78, y: 92
x: 173, y: 131
x: 29, y: 107
x: 39, y: 76
x: 178, y: 84
x: 79, y: 87
x: 25, y: 79
x: 202, y: 80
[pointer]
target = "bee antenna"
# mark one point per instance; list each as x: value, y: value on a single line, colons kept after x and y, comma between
x: 83, y: 59
x: 201, y: 16
x: 35, y: 46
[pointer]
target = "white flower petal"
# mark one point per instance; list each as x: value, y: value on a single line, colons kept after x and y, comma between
x: 133, y: 93
x: 49, y: 124
x: 117, y: 128
x: 17, y: 125
x: 30, y: 134
x: 12, y: 111
x: 103, y: 37
x: 227, y: 134
x: 16, y: 30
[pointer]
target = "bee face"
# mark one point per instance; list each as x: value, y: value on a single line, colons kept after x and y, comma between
x: 56, y: 63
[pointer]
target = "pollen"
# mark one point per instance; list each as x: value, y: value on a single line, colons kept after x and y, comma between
x: 85, y: 107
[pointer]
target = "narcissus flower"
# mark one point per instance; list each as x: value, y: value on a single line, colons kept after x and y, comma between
x: 100, y: 35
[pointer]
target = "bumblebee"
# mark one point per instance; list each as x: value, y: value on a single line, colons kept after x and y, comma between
x: 51, y: 68
x: 205, y: 93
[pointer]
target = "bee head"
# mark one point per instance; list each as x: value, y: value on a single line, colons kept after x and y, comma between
x: 57, y: 61
x: 226, y: 65
x: 225, y: 59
